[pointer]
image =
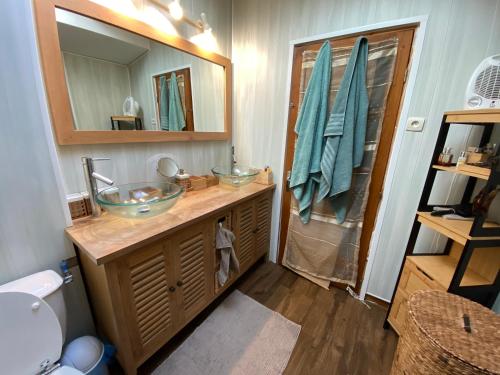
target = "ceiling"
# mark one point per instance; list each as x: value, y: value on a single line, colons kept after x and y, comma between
x: 87, y: 37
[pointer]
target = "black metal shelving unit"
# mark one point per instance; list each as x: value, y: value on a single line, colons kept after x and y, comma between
x: 472, y: 235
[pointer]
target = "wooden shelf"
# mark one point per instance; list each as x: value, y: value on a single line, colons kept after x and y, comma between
x: 442, y: 267
x: 477, y: 116
x: 484, y: 173
x: 458, y: 230
x: 481, y: 255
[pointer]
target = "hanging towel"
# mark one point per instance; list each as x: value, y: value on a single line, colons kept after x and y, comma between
x: 176, y: 121
x: 310, y: 126
x: 345, y: 132
x: 228, y: 262
x: 163, y: 103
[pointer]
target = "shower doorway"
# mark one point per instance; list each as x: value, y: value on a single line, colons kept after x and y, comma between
x: 400, y: 39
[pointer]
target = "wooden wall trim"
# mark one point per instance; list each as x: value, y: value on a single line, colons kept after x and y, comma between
x: 57, y: 91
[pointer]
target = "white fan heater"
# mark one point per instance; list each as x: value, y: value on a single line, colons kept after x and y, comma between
x: 483, y: 90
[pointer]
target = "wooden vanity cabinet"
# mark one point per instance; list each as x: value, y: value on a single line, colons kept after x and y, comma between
x: 252, y: 229
x: 143, y: 298
x: 164, y: 285
x: 194, y: 253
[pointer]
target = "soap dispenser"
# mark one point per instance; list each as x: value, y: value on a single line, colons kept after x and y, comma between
x: 182, y: 179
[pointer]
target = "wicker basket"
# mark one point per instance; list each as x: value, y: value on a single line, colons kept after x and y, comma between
x: 438, y: 341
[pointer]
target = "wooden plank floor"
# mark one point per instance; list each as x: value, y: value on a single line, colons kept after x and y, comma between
x: 339, y: 334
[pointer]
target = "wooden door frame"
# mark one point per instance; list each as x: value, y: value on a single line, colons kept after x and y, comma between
x: 419, y: 23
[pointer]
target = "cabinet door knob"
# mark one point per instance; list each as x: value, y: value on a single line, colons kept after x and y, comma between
x: 179, y: 283
x: 172, y: 289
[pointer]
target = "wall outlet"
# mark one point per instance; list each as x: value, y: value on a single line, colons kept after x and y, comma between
x: 415, y: 124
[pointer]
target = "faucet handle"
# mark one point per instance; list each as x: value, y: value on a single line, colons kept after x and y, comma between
x: 100, y: 159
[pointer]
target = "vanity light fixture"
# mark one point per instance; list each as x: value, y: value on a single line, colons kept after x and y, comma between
x: 175, y: 10
x: 158, y: 20
x: 205, y: 39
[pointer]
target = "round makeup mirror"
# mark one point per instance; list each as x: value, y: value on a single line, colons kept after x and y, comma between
x: 168, y: 168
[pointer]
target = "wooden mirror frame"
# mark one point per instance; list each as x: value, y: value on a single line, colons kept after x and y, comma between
x: 57, y: 90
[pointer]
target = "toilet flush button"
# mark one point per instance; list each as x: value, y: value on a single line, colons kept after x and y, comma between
x: 35, y: 306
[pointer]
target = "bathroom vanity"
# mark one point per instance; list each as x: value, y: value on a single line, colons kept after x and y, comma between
x: 148, y: 278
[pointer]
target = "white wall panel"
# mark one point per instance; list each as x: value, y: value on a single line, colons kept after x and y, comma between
x: 32, y: 213
x: 137, y: 162
x: 97, y: 89
x: 460, y: 34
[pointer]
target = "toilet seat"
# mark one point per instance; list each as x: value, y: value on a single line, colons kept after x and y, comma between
x: 31, y: 335
x: 66, y: 370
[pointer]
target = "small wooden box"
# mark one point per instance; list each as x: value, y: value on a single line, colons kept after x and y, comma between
x: 80, y: 208
x: 211, y: 180
x: 198, y: 182
x: 476, y: 157
x: 265, y: 177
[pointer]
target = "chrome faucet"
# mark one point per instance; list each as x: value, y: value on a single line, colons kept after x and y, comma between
x: 91, y: 177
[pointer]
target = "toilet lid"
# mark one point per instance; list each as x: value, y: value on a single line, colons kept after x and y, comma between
x: 31, y: 333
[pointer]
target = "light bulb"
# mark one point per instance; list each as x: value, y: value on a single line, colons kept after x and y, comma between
x: 205, y: 40
x: 155, y: 18
x: 175, y: 10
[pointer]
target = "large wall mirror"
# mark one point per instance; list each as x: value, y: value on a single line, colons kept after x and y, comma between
x: 113, y: 79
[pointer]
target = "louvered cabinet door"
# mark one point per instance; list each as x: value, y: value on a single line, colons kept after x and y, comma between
x: 194, y: 256
x: 145, y: 278
x: 263, y: 212
x: 245, y: 234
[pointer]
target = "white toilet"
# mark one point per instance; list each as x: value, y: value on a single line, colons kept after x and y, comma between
x: 33, y: 325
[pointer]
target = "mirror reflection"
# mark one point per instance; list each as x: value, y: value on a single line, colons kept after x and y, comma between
x: 118, y: 80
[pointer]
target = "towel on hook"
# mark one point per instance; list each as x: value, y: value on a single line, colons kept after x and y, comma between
x: 176, y: 120
x: 228, y: 262
x: 310, y: 126
x: 345, y: 132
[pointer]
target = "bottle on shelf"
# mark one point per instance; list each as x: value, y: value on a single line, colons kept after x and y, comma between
x: 462, y: 159
x: 445, y: 157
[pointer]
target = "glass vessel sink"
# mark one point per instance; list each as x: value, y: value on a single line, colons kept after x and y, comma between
x: 236, y: 176
x: 143, y: 199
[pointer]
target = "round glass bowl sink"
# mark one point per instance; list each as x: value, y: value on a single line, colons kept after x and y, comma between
x: 236, y: 176
x: 143, y: 199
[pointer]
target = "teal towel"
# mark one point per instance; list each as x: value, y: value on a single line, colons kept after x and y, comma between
x: 176, y: 120
x: 310, y: 126
x: 163, y: 103
x: 345, y: 132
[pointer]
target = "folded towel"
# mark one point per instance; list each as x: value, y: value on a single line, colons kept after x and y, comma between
x: 228, y: 261
x: 345, y: 132
x: 310, y: 126
x: 176, y: 120
x: 163, y: 103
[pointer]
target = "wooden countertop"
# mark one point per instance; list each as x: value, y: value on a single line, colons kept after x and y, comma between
x: 108, y: 237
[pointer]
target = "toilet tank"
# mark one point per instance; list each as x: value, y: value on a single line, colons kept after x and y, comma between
x: 45, y: 285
